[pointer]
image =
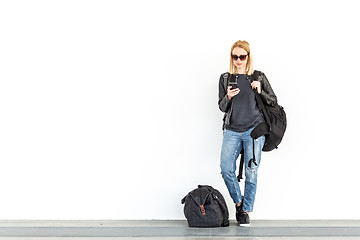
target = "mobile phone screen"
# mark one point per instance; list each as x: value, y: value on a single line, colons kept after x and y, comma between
x: 233, y: 85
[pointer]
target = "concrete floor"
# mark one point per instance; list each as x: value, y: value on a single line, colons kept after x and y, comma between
x: 178, y: 230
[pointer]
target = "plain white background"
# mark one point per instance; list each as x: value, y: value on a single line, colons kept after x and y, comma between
x: 108, y: 109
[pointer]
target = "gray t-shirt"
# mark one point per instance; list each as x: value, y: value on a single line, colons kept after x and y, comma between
x: 245, y: 114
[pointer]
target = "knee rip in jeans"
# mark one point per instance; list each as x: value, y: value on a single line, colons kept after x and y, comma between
x: 253, y: 170
x: 252, y: 165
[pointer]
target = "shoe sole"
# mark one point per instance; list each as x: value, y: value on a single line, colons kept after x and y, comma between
x: 244, y: 224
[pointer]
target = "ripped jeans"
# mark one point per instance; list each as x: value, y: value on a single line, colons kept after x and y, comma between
x: 232, y: 144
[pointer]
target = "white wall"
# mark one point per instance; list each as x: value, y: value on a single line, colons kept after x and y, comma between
x: 108, y: 109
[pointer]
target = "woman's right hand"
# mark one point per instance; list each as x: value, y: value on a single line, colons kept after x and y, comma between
x: 232, y: 92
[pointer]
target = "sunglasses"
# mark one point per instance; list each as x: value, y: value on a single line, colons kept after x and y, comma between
x: 236, y: 57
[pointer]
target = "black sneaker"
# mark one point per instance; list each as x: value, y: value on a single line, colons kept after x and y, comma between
x: 244, y: 219
x: 239, y: 210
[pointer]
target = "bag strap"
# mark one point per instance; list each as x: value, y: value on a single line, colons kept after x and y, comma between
x: 259, y: 101
x: 226, y: 76
x: 241, y: 166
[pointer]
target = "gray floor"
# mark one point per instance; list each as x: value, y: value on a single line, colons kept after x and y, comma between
x: 178, y: 230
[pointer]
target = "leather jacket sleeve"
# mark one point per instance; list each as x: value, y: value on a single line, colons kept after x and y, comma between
x: 267, y: 93
x: 223, y: 100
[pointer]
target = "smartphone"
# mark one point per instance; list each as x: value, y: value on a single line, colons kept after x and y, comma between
x: 233, y: 85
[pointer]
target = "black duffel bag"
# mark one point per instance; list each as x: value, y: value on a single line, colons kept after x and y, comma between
x: 205, y: 207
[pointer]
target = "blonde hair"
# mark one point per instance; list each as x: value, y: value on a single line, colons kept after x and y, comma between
x: 249, y: 65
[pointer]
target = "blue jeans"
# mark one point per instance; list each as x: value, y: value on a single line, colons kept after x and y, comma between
x: 232, y: 144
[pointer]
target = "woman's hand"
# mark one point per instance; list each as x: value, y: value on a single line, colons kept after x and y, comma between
x: 232, y: 92
x: 257, y: 85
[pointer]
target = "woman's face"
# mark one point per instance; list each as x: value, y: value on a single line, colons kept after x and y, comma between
x: 240, y: 64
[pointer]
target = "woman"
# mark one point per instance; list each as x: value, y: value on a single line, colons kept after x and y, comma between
x: 237, y: 101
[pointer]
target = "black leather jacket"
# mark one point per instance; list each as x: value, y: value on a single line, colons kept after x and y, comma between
x: 225, y: 105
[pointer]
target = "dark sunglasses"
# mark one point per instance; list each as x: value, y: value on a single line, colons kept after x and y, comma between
x: 242, y: 57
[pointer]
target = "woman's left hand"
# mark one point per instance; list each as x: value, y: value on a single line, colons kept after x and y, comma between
x: 257, y: 85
